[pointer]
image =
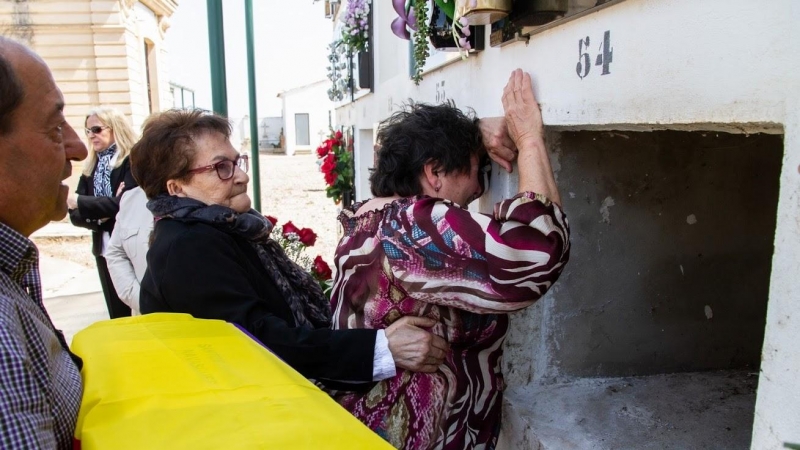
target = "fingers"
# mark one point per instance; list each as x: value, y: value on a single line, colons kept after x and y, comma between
x: 527, y: 89
x: 422, y: 322
x: 440, y: 346
x: 414, y: 348
x: 503, y: 157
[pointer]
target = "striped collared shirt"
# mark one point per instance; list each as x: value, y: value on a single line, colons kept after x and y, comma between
x: 40, y: 382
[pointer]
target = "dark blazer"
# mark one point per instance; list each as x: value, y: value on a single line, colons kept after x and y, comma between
x: 92, y: 209
x: 201, y: 270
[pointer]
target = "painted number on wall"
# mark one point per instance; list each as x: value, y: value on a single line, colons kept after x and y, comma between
x: 441, y: 97
x: 603, y: 59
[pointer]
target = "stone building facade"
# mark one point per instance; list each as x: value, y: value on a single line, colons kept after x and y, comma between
x: 101, y: 52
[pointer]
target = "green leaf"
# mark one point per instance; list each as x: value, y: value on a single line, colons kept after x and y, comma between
x: 448, y: 8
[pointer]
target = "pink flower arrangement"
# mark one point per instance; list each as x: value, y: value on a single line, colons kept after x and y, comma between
x: 355, y: 35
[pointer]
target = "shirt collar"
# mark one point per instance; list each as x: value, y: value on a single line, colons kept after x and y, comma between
x: 18, y: 252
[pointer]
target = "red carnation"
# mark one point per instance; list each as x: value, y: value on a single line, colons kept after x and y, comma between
x: 330, y: 178
x: 322, y: 151
x: 321, y: 270
x: 338, y: 134
x: 328, y: 164
x: 289, y: 227
x: 307, y: 237
x: 272, y: 219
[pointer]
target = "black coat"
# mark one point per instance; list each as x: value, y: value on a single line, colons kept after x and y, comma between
x: 198, y: 269
x: 91, y: 210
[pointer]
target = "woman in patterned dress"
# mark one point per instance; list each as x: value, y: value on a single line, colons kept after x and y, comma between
x: 414, y: 250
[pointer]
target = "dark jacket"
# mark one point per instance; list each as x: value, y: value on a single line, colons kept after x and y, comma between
x: 92, y: 209
x: 204, y: 271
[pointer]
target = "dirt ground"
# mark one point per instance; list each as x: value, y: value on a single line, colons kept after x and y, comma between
x: 292, y: 189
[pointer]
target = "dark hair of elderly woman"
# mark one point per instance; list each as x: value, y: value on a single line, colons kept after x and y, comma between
x: 419, y: 134
x: 211, y: 257
x: 415, y: 251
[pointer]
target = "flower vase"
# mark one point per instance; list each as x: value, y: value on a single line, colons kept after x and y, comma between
x: 365, y: 70
x: 483, y: 12
x: 441, y: 32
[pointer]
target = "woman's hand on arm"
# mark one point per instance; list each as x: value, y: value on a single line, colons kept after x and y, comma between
x: 524, y: 122
x: 413, y: 348
x: 498, y: 143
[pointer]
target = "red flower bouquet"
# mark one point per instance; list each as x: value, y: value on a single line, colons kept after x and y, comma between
x: 294, y: 242
x: 336, y: 164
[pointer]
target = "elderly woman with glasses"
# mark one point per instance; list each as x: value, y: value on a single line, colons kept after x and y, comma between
x: 416, y: 251
x: 211, y: 257
x: 106, y: 175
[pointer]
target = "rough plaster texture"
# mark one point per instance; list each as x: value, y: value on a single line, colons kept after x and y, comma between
x: 672, y: 237
x: 727, y: 65
x: 712, y: 410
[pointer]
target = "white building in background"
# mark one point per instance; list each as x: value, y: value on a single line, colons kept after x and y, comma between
x: 270, y: 134
x: 674, y: 131
x: 307, y: 117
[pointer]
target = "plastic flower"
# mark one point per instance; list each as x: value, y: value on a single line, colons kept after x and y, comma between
x: 307, y: 236
x: 328, y: 167
x: 289, y: 228
x: 336, y: 164
x: 321, y: 270
x: 355, y: 34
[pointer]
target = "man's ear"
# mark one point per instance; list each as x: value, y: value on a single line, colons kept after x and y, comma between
x: 175, y: 187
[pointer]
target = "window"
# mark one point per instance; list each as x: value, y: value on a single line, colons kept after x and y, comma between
x: 301, y: 130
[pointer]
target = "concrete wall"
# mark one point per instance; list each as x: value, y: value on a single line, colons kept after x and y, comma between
x: 728, y: 65
x: 672, y: 243
x: 311, y: 100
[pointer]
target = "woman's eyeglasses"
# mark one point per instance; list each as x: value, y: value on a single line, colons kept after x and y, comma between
x: 95, y: 129
x: 224, y: 168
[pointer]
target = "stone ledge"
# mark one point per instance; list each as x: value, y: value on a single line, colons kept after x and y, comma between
x: 674, y: 411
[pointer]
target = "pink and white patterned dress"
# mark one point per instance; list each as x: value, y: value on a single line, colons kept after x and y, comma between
x: 423, y: 256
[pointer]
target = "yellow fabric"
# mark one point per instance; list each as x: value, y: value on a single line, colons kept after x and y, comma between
x: 174, y: 382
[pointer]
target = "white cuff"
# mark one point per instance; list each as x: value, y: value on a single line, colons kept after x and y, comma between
x: 382, y: 363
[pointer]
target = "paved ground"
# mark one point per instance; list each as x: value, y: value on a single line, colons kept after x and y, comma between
x: 292, y: 189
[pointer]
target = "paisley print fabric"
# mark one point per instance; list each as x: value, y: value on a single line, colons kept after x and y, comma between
x: 423, y: 256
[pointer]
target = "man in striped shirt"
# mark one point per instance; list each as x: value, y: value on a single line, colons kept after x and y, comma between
x: 40, y: 383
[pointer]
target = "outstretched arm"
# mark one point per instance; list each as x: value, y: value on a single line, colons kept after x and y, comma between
x: 525, y: 127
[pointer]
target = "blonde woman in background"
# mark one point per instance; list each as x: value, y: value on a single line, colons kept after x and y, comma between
x: 106, y: 175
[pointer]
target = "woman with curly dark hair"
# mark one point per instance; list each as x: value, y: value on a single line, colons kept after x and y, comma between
x: 415, y: 250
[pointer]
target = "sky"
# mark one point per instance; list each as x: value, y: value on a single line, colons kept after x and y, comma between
x: 291, y: 40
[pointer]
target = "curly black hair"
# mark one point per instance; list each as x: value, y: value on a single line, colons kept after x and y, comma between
x: 418, y: 134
